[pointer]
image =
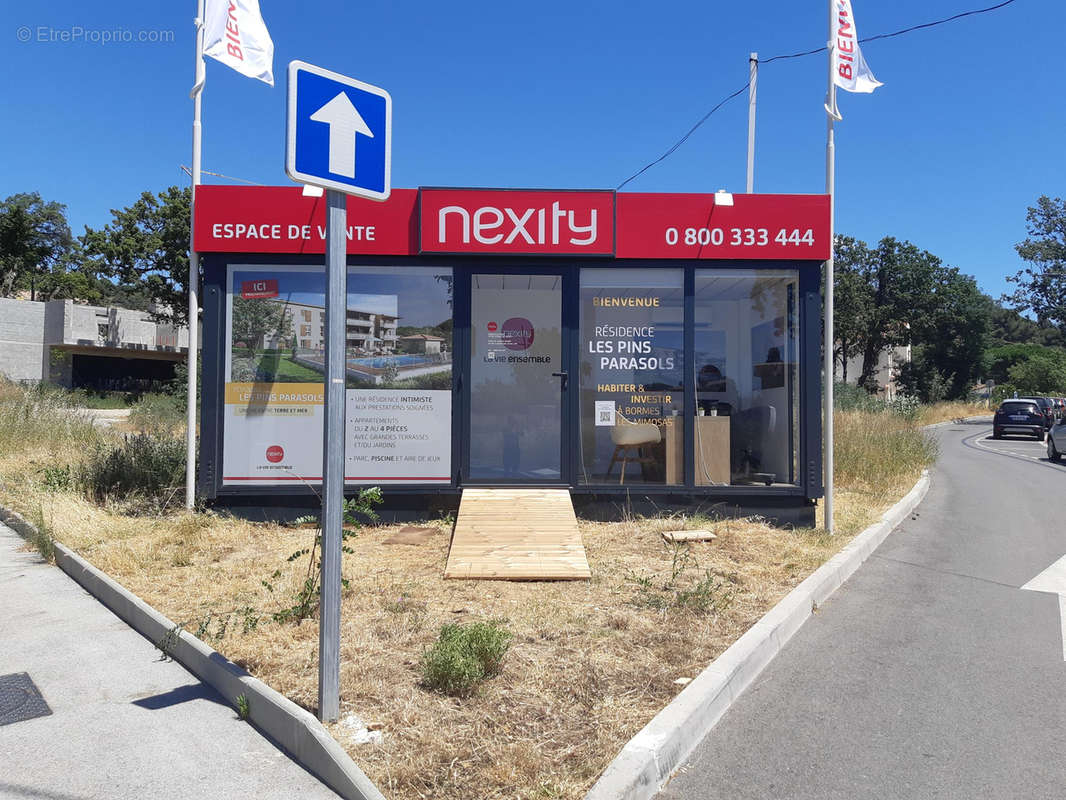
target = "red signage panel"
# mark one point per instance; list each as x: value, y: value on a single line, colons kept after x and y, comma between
x: 696, y: 226
x: 259, y: 290
x: 279, y: 219
x: 517, y: 221
x: 276, y: 219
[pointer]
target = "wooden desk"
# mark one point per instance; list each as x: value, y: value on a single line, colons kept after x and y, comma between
x: 711, y: 450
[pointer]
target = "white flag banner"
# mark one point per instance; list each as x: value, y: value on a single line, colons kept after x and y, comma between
x: 235, y: 34
x: 850, y: 71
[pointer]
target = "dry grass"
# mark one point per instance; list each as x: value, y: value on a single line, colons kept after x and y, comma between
x: 947, y: 411
x: 591, y: 662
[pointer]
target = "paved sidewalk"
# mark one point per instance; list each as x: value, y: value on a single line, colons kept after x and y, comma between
x: 124, y: 723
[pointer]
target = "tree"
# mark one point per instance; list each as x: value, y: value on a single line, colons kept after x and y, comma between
x: 999, y: 361
x: 852, y: 300
x: 950, y: 339
x: 254, y: 319
x: 1043, y: 374
x: 35, y: 242
x: 1042, y: 285
x: 145, y: 251
x: 885, y: 292
x: 1010, y: 327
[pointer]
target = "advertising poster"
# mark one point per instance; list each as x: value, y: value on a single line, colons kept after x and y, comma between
x: 398, y: 332
x: 632, y: 363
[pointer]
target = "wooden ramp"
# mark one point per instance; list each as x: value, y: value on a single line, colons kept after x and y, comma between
x: 517, y: 535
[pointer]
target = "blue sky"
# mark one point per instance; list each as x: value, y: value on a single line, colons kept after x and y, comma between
x: 965, y: 134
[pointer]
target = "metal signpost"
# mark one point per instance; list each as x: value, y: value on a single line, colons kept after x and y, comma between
x: 339, y: 133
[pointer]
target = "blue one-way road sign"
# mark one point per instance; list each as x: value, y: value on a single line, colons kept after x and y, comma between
x: 339, y: 132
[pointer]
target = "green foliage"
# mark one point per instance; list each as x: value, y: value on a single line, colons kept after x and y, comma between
x: 89, y: 398
x: 35, y: 244
x: 356, y: 510
x: 144, y: 252
x: 921, y: 379
x: 1010, y: 327
x: 1002, y: 391
x: 158, y: 415
x: 43, y: 416
x: 999, y: 360
x: 57, y: 478
x: 463, y: 656
x: 895, y: 295
x: 243, y: 707
x: 874, y: 452
x: 142, y: 466
x: 41, y: 536
x: 688, y: 588
x: 848, y: 397
x: 1041, y: 375
x: 254, y: 319
x: 169, y: 641
x: 1028, y: 369
x: 1042, y: 285
x: 271, y: 366
x: 178, y: 388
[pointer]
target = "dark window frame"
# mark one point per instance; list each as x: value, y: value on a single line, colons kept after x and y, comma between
x: 209, y: 484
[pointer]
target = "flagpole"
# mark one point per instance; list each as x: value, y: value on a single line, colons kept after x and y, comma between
x: 828, y: 360
x: 194, y: 268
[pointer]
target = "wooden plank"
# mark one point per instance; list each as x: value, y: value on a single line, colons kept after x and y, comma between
x: 517, y: 534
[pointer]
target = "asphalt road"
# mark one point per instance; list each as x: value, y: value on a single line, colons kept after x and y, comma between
x: 930, y: 673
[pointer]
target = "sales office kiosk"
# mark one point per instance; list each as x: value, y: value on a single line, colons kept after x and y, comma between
x: 634, y: 348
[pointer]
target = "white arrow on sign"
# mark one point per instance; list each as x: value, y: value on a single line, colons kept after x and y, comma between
x: 1053, y: 579
x: 344, y: 123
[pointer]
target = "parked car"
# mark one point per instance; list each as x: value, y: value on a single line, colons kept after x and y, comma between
x: 1019, y: 415
x: 1047, y: 408
x: 1056, y: 441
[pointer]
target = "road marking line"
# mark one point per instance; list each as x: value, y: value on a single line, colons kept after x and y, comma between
x: 1053, y: 580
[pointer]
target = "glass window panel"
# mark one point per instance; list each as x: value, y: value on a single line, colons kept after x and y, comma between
x: 398, y: 337
x: 631, y: 376
x: 746, y: 371
x: 515, y: 401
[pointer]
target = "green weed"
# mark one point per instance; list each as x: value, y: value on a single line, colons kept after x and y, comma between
x: 463, y: 656
x: 57, y: 479
x: 687, y: 589
x: 243, y: 707
x: 158, y: 415
x: 305, y: 602
x: 42, y: 537
x: 143, y: 465
x: 169, y: 641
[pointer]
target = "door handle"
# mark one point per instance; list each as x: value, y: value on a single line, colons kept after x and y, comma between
x: 565, y: 376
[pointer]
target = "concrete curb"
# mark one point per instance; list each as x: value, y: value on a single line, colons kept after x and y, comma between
x: 291, y: 727
x: 648, y: 760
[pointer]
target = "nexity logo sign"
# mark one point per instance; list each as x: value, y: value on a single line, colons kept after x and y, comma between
x: 516, y: 221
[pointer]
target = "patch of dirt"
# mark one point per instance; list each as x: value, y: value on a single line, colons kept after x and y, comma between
x: 413, y: 536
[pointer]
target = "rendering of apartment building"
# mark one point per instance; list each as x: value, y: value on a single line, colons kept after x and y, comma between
x: 367, y: 331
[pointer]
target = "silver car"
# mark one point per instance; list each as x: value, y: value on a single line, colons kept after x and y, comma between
x: 1056, y: 441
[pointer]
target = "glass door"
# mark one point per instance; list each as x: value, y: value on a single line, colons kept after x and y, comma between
x: 518, y: 379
